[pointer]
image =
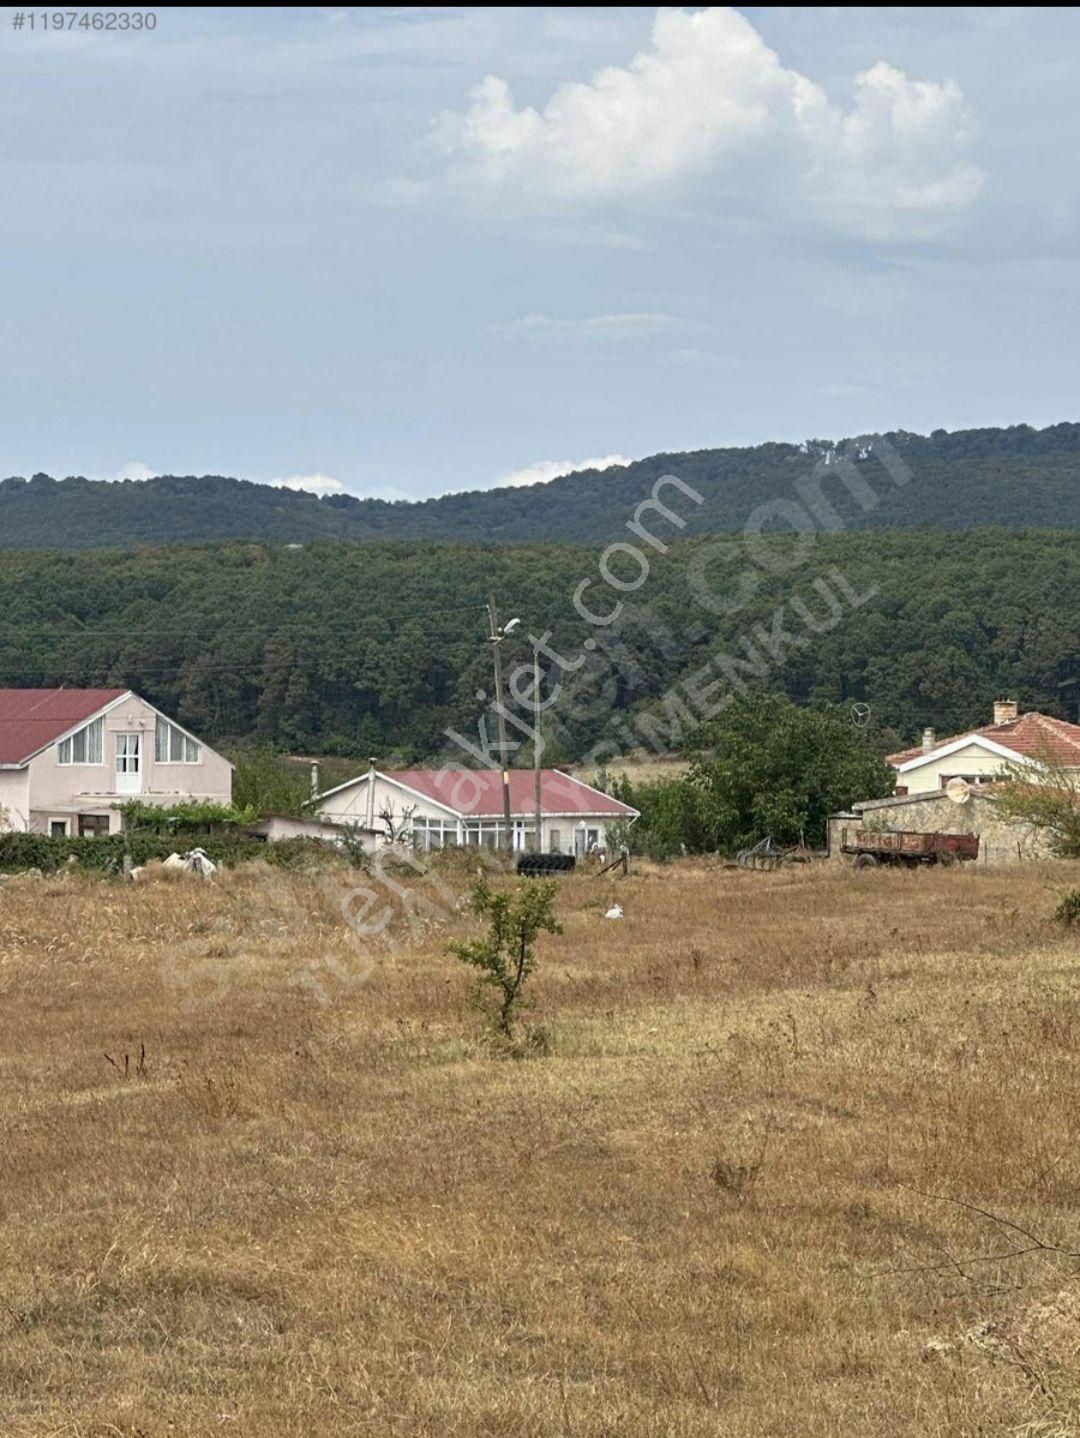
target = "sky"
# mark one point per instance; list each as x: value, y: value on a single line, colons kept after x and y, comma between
x: 402, y: 252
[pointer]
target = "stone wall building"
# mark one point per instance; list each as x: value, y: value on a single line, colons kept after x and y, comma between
x: 1001, y: 840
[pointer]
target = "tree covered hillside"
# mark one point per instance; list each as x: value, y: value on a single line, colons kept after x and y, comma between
x: 376, y: 649
x: 1013, y: 477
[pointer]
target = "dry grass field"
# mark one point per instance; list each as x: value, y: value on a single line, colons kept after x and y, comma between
x: 645, y: 769
x: 729, y: 1200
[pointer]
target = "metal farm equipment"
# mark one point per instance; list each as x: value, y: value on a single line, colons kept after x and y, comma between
x: 870, y: 847
x: 768, y: 854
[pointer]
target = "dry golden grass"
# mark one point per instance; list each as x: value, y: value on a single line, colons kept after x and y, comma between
x: 644, y: 769
x: 327, y: 1207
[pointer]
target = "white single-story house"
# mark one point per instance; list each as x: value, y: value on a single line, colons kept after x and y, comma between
x: 982, y: 755
x: 69, y: 756
x: 432, y: 808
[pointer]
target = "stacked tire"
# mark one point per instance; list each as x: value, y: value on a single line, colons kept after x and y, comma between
x: 533, y: 866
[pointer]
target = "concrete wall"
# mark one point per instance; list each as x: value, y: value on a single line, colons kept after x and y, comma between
x: 1001, y: 840
x: 62, y: 791
x: 276, y: 827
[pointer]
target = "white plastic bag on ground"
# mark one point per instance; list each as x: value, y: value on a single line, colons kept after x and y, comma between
x: 198, y: 863
x: 193, y: 862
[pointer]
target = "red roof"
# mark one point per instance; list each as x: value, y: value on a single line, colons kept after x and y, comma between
x: 1036, y: 736
x: 478, y: 793
x: 32, y: 718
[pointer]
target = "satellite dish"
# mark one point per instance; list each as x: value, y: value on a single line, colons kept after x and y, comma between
x: 860, y: 715
x: 958, y: 790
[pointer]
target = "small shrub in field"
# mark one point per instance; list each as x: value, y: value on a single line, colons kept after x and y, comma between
x: 1068, y: 911
x: 505, y: 957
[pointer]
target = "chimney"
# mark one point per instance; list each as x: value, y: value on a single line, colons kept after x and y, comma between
x: 314, y: 781
x: 1004, y: 710
x: 370, y: 816
x: 927, y: 739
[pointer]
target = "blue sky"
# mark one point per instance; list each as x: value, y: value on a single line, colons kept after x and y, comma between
x: 411, y: 251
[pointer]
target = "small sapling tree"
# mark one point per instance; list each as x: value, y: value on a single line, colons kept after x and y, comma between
x: 505, y: 957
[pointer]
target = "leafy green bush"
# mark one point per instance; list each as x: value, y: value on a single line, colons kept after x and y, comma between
x: 672, y: 818
x: 505, y: 958
x: 1045, y: 796
x: 105, y: 854
x: 192, y: 817
x: 1068, y: 911
x: 265, y: 782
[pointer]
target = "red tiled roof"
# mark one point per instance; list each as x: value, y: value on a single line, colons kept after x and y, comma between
x: 1035, y: 736
x: 478, y: 793
x: 32, y: 718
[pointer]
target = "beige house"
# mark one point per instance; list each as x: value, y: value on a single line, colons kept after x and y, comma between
x: 69, y: 756
x: 434, y: 808
x: 946, y: 786
x: 981, y: 755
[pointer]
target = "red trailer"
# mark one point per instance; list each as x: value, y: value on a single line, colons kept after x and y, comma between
x: 870, y: 847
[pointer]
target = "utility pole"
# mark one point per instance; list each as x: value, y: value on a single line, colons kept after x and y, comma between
x: 538, y: 844
x: 496, y: 637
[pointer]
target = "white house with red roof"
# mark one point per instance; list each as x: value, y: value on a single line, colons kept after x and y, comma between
x: 433, y: 808
x: 981, y: 755
x: 69, y: 756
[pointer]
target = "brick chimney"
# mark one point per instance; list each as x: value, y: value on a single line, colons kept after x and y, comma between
x: 928, y: 739
x: 1004, y: 710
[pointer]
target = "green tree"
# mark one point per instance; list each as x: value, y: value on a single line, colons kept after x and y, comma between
x: 767, y: 766
x: 1047, y: 797
x: 505, y: 957
x: 673, y: 817
x: 265, y: 782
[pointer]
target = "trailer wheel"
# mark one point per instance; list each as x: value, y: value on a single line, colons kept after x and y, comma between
x: 946, y: 859
x: 865, y: 861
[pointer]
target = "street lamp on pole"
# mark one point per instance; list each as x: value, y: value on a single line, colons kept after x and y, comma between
x: 496, y: 637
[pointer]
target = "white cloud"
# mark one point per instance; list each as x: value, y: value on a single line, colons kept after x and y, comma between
x: 709, y: 98
x: 134, y: 469
x: 547, y: 469
x: 310, y: 483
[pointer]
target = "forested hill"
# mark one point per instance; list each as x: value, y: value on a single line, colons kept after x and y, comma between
x: 376, y: 649
x: 1012, y: 477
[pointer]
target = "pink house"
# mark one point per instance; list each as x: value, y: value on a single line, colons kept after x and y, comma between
x: 69, y: 756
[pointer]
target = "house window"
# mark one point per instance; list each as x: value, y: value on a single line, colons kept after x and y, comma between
x: 555, y: 841
x: 172, y: 745
x: 93, y: 826
x: 428, y: 834
x: 82, y: 747
x: 58, y: 829
x: 484, y: 834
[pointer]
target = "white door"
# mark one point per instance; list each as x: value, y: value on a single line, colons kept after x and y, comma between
x: 129, y: 763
